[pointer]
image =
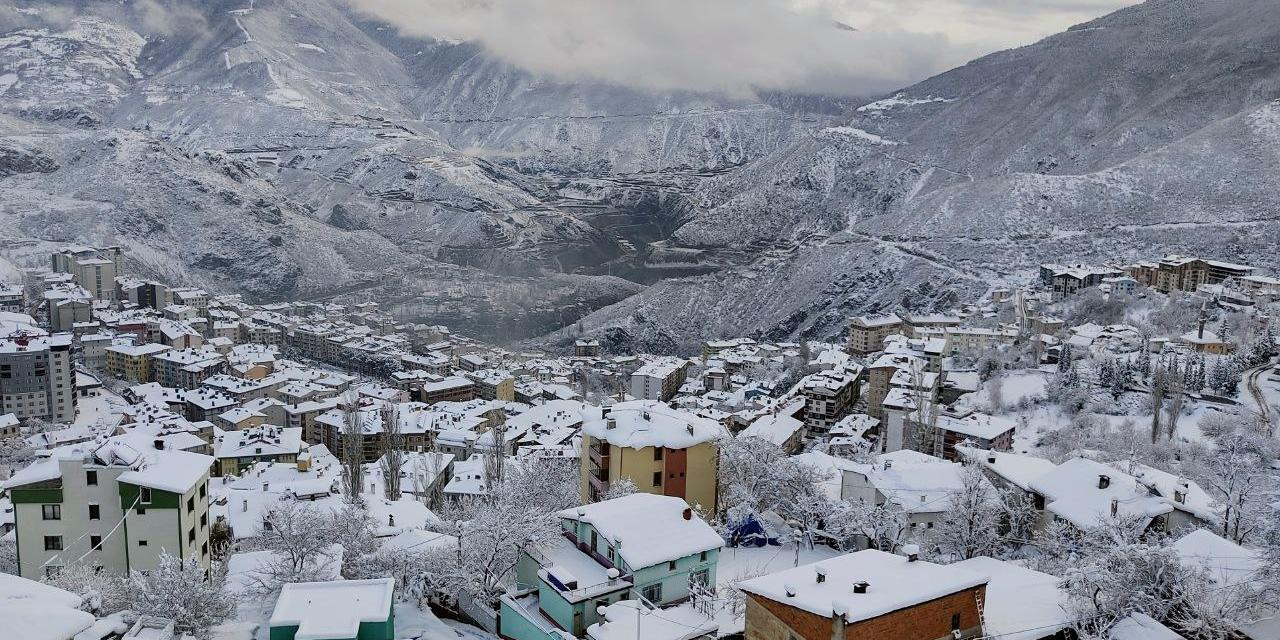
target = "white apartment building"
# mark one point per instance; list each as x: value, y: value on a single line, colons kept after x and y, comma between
x: 112, y: 506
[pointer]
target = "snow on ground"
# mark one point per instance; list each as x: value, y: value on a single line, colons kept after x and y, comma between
x: 855, y: 132
x: 1015, y: 386
x: 310, y: 47
x: 899, y: 100
x: 414, y: 623
x: 741, y: 563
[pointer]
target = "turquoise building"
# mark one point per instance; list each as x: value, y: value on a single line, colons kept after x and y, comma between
x: 642, y: 546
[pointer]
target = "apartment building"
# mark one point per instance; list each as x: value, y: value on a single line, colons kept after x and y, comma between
x: 867, y: 333
x: 188, y: 368
x: 661, y: 450
x: 1182, y: 273
x: 37, y: 377
x: 1066, y: 280
x: 563, y: 582
x: 133, y: 362
x: 659, y: 380
x: 829, y: 397
x: 93, y: 268
x: 112, y: 506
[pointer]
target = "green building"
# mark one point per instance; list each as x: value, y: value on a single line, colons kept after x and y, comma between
x: 339, y: 610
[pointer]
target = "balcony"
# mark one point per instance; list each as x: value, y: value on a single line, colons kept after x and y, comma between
x: 599, y: 455
x: 599, y: 486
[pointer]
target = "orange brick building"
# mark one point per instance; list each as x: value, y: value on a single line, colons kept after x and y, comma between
x: 868, y: 595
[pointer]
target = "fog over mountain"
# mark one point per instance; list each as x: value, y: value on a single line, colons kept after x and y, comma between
x: 797, y: 172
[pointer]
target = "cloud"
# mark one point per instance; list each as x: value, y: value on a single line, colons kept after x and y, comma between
x: 147, y: 17
x: 738, y: 46
x: 731, y: 46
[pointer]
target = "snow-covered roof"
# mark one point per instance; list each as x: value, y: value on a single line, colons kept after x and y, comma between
x: 1194, y: 499
x: 1021, y: 604
x: 1228, y: 563
x: 894, y: 583
x: 323, y: 610
x: 647, y: 529
x: 777, y: 428
x: 264, y: 440
x: 1139, y: 626
x: 1016, y: 468
x: 173, y: 471
x: 916, y: 482
x: 1074, y: 493
x: 977, y: 425
x: 32, y: 610
x: 647, y: 423
x: 629, y: 619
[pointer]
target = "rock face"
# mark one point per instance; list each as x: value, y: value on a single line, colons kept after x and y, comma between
x: 290, y: 149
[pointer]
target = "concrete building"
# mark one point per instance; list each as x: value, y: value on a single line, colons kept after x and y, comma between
x: 661, y: 450
x: 1182, y: 273
x: 867, y: 333
x: 829, y: 397
x: 133, y: 362
x: 113, y: 506
x: 563, y: 582
x: 1067, y: 280
x: 92, y: 268
x: 338, y: 610
x: 37, y: 377
x: 659, y: 380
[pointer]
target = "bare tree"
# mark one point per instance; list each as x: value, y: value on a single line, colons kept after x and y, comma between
x: 923, y: 419
x: 1175, y: 384
x: 352, y: 441
x: 392, y: 448
x: 1158, y: 381
x: 495, y: 457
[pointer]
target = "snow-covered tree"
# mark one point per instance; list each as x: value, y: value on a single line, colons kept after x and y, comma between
x: 352, y: 448
x: 181, y: 592
x: 1238, y: 475
x: 9, y: 555
x: 303, y: 539
x: 15, y: 452
x: 103, y: 593
x: 758, y: 476
x: 620, y: 488
x: 392, y: 447
x: 970, y: 527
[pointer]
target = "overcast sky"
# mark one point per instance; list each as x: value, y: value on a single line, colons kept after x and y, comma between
x: 735, y: 46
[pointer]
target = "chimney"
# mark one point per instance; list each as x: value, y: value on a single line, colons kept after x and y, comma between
x: 1200, y: 330
x: 790, y: 589
x: 1179, y: 497
x: 688, y: 513
x: 244, y: 505
x: 391, y: 520
x: 912, y: 552
x: 1115, y: 507
x: 1104, y: 481
x: 991, y: 458
x: 820, y: 573
x: 158, y: 444
x: 861, y: 586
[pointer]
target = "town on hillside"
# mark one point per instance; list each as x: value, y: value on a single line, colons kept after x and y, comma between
x: 1091, y: 452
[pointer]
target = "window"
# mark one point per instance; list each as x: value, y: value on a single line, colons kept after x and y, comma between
x: 955, y: 622
x: 91, y: 478
x: 652, y: 593
x: 203, y: 489
x: 142, y: 543
x: 701, y: 578
x: 191, y: 535
x: 191, y: 505
x: 51, y: 511
x: 702, y: 557
x: 657, y: 453
x: 95, y: 543
x: 95, y: 512
x: 144, y: 495
x: 657, y: 478
x: 204, y: 549
x: 204, y: 519
x: 671, y: 566
x: 142, y: 511
x: 53, y: 543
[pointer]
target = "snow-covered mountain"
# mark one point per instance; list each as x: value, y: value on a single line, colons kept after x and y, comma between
x: 290, y: 148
